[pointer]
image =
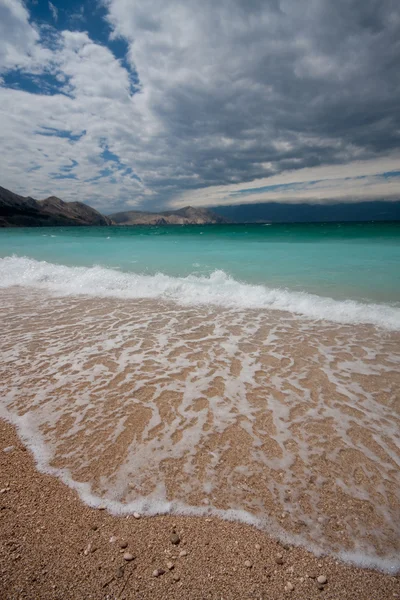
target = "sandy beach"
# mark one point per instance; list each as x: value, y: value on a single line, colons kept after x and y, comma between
x: 55, y: 547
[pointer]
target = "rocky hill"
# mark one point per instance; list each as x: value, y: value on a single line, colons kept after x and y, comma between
x: 182, y: 216
x: 18, y: 211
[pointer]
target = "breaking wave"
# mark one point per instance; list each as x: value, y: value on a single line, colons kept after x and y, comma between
x: 218, y: 289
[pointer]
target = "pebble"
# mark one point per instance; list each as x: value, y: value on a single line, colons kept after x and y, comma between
x: 313, y: 575
x: 88, y: 549
x: 128, y: 556
x: 175, y: 539
x: 289, y: 587
x: 113, y: 539
x: 320, y: 586
x: 123, y: 544
x: 248, y: 564
x: 176, y: 577
x: 158, y: 572
x: 4, y: 490
x: 279, y: 560
x: 257, y: 547
x: 119, y: 573
x: 322, y: 579
x: 136, y: 515
x: 183, y: 553
x: 170, y: 566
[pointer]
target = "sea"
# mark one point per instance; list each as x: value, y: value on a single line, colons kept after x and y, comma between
x: 246, y: 371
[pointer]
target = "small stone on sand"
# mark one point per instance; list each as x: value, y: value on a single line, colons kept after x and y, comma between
x: 88, y: 549
x: 136, y: 515
x: 247, y: 564
x: 183, y: 553
x: 257, y: 547
x: 289, y: 587
x: 279, y: 560
x: 128, y: 556
x: 158, y: 572
x: 113, y: 539
x: 176, y: 577
x: 175, y: 539
x: 170, y: 565
x: 322, y: 579
x: 123, y: 544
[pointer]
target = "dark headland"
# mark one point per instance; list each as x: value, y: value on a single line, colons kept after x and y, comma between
x: 17, y: 211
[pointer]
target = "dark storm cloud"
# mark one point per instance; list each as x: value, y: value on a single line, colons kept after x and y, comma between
x: 248, y: 89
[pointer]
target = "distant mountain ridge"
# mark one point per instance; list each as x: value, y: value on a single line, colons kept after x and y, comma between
x: 18, y: 211
x: 182, y: 216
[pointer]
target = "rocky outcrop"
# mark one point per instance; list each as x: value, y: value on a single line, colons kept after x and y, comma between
x: 182, y: 216
x: 79, y: 213
x: 18, y: 211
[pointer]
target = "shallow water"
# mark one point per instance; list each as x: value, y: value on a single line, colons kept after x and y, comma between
x: 358, y: 261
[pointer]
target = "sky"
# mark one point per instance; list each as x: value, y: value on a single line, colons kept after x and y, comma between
x: 151, y: 104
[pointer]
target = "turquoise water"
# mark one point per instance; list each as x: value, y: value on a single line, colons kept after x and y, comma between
x: 342, y: 261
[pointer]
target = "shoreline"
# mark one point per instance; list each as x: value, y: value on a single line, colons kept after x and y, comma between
x: 56, y: 547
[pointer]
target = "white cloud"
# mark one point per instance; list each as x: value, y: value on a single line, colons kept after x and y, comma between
x: 53, y: 11
x: 355, y: 181
x: 20, y: 46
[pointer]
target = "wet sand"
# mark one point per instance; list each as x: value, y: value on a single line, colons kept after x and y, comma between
x: 56, y: 547
x: 290, y: 423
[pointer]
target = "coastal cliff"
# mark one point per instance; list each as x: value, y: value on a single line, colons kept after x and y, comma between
x: 20, y: 211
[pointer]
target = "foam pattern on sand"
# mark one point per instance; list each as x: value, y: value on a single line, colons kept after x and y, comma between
x: 216, y: 290
x: 251, y: 414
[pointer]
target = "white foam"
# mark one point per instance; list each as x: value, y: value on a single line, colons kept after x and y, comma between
x: 74, y: 373
x: 152, y: 506
x: 218, y: 289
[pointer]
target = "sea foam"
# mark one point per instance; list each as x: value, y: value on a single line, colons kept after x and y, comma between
x: 156, y: 407
x: 218, y: 289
